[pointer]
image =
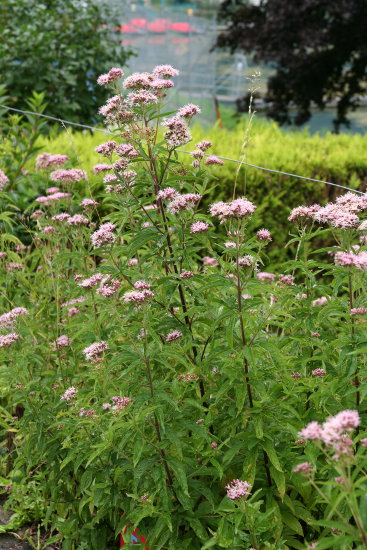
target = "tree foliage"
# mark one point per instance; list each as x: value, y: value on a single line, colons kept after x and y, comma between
x: 318, y: 48
x: 58, y: 48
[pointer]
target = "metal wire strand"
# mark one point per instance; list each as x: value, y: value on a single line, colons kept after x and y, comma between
x: 107, y: 132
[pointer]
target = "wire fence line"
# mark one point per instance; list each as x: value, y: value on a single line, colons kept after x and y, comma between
x: 107, y: 132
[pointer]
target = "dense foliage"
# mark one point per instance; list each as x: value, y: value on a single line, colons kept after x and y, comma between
x: 317, y: 47
x: 58, y: 48
x: 155, y: 375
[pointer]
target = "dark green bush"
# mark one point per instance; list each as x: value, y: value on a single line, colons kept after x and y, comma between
x: 58, y: 48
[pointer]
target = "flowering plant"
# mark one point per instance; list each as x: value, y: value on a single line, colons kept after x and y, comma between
x: 156, y: 374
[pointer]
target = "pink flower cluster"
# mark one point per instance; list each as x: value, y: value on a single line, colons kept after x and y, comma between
x: 14, y: 266
x: 210, y: 262
x: 199, y: 153
x: 167, y: 194
x: 126, y: 150
x: 186, y: 274
x: 304, y: 468
x: 3, y: 180
x: 358, y: 310
x: 108, y: 286
x: 116, y: 110
x: 91, y: 281
x: 332, y: 431
x: 141, y: 97
x: 79, y: 300
x: 69, y: 394
x: 286, y: 279
x: 303, y: 213
x: 247, y: 261
x: 8, y: 319
x: 120, y: 402
x: 319, y: 301
x: 237, y: 489
x: 177, y: 133
x: 183, y: 202
x: 188, y: 111
x: 61, y: 217
x: 138, y: 297
x: 103, y: 236
x: 68, y: 176
x: 52, y: 190
x: 88, y: 203
x: 47, y: 160
x: 77, y: 219
x: 265, y: 276
x: 264, y: 235
x: 112, y: 75
x: 238, y: 208
x: 106, y: 149
x: 347, y: 259
x: 62, y: 341
x: 95, y: 351
x: 174, y: 335
x: 52, y: 198
x: 165, y: 71
x: 7, y: 339
x: 212, y: 159
x: 199, y: 227
x: 98, y: 168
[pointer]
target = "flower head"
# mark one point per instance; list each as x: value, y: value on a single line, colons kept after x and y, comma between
x: 319, y: 301
x: 3, y: 180
x: 164, y: 71
x: 88, y: 203
x: 304, y: 468
x: 104, y: 235
x: 237, y: 489
x: 69, y: 394
x: 138, y: 297
x: 199, y: 227
x: 238, y: 208
x: 183, y: 202
x: 94, y: 351
x: 112, y: 75
x: 188, y: 111
x: 7, y: 339
x: 47, y: 160
x: 68, y: 176
x: 177, y: 133
x: 174, y: 335
x: 212, y: 159
x: 263, y: 235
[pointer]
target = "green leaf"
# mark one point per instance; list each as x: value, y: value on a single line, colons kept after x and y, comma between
x: 292, y: 522
x: 180, y: 474
x: 270, y: 451
x: 279, y: 479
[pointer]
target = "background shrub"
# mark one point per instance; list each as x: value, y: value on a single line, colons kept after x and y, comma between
x: 58, y: 48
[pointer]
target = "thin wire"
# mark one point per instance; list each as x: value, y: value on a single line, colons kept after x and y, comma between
x: 58, y: 120
x: 284, y: 173
x: 94, y: 128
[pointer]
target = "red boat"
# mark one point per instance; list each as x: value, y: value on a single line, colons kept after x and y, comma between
x: 182, y: 27
x: 139, y: 23
x: 158, y: 26
x: 128, y: 28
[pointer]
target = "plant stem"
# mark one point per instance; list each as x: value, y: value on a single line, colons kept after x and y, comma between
x: 156, y: 423
x: 351, y: 303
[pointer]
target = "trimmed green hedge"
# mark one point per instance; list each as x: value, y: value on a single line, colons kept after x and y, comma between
x: 340, y: 159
